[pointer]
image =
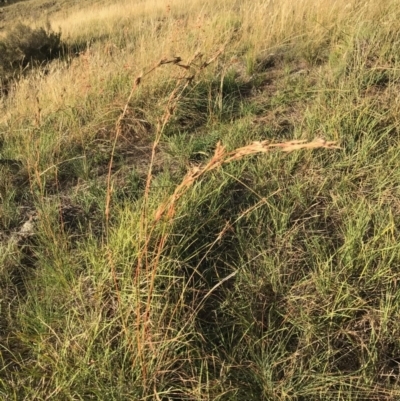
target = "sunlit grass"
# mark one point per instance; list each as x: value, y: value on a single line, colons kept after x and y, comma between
x: 187, y: 228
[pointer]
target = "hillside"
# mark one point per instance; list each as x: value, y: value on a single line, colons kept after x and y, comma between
x: 199, y: 200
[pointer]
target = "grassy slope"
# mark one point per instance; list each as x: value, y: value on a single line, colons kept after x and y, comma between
x: 276, y: 277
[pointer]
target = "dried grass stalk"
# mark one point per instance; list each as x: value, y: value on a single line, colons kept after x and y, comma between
x: 221, y: 156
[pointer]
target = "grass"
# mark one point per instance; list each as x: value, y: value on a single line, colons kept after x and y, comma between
x: 203, y: 204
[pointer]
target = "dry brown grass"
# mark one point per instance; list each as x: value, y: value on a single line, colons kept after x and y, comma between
x: 146, y: 263
x: 140, y: 32
x: 221, y: 157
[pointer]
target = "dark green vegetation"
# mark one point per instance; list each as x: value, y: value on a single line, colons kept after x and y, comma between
x: 276, y: 279
x: 25, y: 48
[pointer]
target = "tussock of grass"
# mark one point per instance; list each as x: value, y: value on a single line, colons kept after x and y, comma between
x: 169, y: 227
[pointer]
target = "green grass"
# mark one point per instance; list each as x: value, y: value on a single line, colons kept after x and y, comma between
x: 276, y: 278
